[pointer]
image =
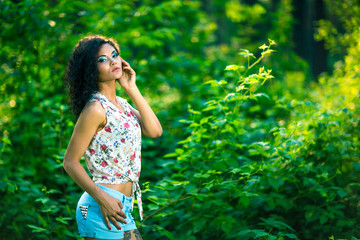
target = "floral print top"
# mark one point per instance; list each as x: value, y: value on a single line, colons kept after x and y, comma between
x: 114, y: 153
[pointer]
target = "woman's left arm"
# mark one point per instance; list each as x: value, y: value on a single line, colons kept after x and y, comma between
x: 150, y: 124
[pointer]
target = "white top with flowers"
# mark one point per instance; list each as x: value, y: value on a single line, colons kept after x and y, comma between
x: 114, y: 153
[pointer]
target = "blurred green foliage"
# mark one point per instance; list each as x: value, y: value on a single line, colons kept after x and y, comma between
x: 252, y: 149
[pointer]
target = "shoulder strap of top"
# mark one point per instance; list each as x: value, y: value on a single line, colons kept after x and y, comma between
x: 98, y: 97
x: 124, y: 103
x: 126, y: 106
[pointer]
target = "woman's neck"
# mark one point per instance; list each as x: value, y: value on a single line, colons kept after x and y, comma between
x: 108, y: 90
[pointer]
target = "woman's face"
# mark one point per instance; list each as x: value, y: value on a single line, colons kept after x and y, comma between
x: 109, y: 64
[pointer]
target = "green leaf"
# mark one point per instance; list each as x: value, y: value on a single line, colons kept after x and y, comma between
x: 63, y: 220
x: 153, y: 207
x: 200, y: 175
x: 342, y: 193
x: 240, y: 87
x: 234, y: 68
x: 230, y: 96
x: 163, y: 232
x: 209, y: 185
x: 204, y: 120
x: 50, y: 191
x: 274, y: 129
x: 221, y: 82
x: 220, y: 122
x: 264, y: 46
x: 210, y: 82
x: 267, y: 52
x: 271, y: 42
x: 290, y: 235
x: 227, y: 223
x: 43, y: 200
x: 280, y: 225
x: 260, y: 233
x: 36, y: 228
x: 6, y: 140
x: 209, y: 108
x: 170, y: 155
x: 274, y: 183
x: 245, y: 201
x: 246, y: 53
x: 262, y: 95
x: 243, y: 233
x: 323, y: 219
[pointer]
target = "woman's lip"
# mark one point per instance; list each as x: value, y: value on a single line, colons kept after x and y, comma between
x: 115, y: 69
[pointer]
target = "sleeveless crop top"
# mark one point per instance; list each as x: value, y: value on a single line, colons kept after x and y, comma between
x: 114, y: 153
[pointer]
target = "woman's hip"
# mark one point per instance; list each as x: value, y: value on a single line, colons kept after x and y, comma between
x: 91, y: 222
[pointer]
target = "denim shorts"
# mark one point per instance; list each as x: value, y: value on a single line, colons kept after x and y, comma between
x: 91, y: 222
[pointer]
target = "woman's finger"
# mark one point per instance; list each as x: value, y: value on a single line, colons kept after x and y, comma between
x: 120, y: 205
x: 114, y: 221
x: 125, y: 63
x: 120, y: 217
x: 107, y: 222
x: 128, y: 70
x: 123, y: 215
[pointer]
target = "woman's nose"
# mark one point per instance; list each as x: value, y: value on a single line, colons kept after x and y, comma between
x: 112, y: 62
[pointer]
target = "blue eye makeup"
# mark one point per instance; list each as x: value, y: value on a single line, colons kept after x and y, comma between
x: 103, y: 58
x: 115, y: 54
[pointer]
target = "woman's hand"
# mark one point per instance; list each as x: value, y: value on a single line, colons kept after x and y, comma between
x: 128, y: 79
x: 111, y: 210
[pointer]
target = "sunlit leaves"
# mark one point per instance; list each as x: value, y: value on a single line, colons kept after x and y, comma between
x: 266, y: 171
x: 215, y: 83
x: 234, y: 68
x: 246, y: 53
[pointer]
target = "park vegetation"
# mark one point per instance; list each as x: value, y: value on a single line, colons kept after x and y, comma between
x: 255, y: 146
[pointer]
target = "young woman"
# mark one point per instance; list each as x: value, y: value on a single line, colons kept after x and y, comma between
x: 108, y: 134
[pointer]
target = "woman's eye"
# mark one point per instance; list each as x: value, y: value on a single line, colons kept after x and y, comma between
x: 115, y: 54
x: 102, y: 59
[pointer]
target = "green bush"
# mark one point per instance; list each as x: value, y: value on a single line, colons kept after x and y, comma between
x: 245, y: 173
x: 277, y: 160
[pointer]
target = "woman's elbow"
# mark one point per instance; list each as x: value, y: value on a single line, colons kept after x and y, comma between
x: 155, y: 133
x: 67, y: 164
x: 159, y: 133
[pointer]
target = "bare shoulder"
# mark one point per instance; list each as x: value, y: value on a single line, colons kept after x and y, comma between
x: 93, y: 112
x: 94, y: 108
x: 90, y: 120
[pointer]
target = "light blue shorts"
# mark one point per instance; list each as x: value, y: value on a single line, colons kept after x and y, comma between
x: 91, y: 222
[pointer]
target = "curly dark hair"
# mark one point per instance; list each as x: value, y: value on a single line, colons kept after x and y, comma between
x: 81, y: 76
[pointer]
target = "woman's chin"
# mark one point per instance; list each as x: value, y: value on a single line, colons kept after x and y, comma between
x: 117, y: 74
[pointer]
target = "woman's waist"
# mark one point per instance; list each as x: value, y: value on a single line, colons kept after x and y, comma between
x: 124, y: 188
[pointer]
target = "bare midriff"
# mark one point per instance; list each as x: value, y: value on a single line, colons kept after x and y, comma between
x: 125, y: 188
